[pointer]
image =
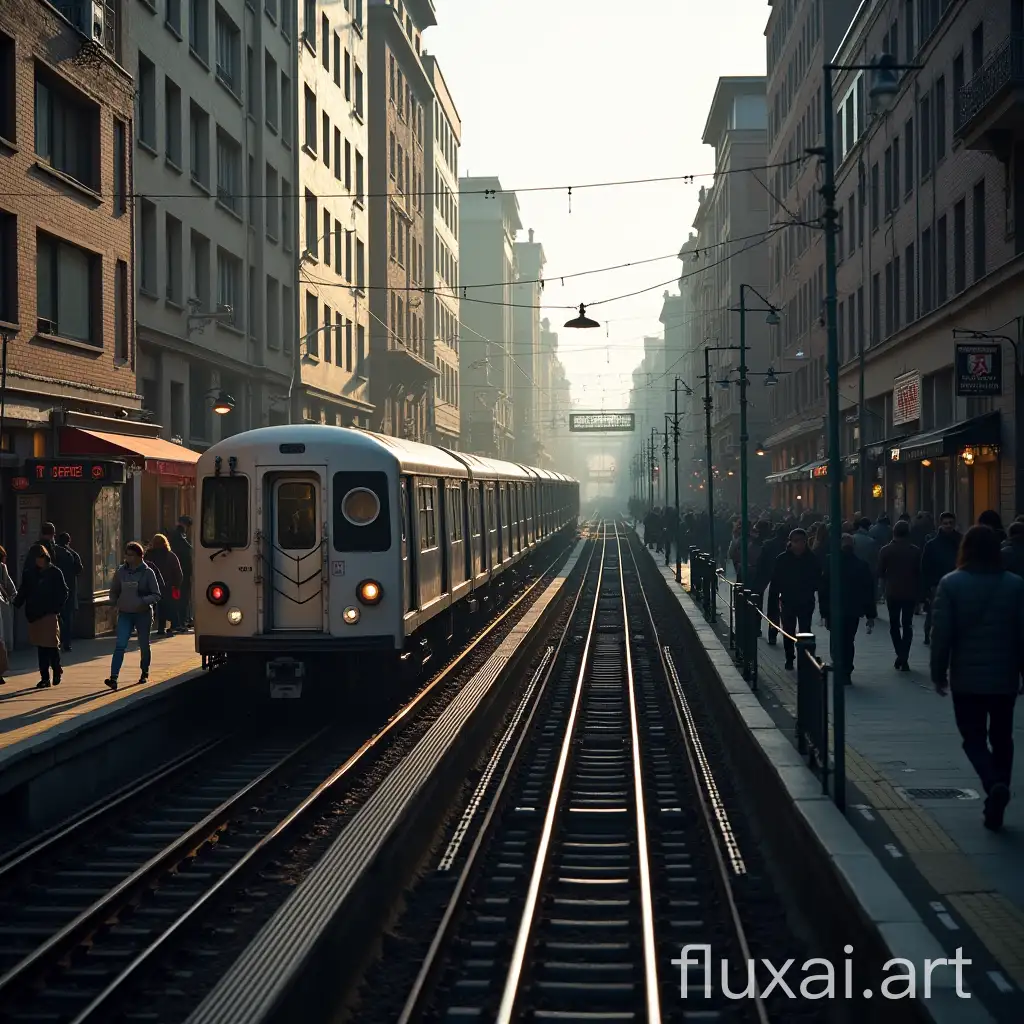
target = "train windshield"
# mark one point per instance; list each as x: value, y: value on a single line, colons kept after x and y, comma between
x: 225, y: 512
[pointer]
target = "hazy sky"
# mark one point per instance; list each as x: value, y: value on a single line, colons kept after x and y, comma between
x: 566, y: 92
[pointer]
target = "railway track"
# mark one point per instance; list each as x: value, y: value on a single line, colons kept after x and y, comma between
x: 595, y: 846
x: 88, y: 910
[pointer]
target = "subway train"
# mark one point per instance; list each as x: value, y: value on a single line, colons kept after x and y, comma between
x: 340, y: 554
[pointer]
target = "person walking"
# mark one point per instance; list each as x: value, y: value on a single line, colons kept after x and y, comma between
x: 8, y: 592
x: 169, y: 578
x: 938, y: 557
x: 797, y: 578
x: 47, y: 534
x: 182, y: 548
x: 67, y: 559
x: 770, y: 551
x: 42, y: 594
x: 134, y: 591
x: 899, y: 571
x: 1012, y: 552
x: 858, y: 587
x: 978, y: 654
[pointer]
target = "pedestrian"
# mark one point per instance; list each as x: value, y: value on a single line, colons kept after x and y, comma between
x: 42, y: 593
x: 797, y: 578
x: 858, y: 587
x: 182, y: 548
x: 8, y: 592
x: 1012, y: 552
x: 168, y: 569
x: 899, y: 571
x: 881, y: 530
x: 993, y: 520
x: 938, y: 557
x: 978, y: 654
x: 134, y: 591
x: 47, y: 534
x: 770, y: 551
x: 67, y: 559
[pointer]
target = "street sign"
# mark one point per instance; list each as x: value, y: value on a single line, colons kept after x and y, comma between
x: 979, y: 369
x: 602, y: 422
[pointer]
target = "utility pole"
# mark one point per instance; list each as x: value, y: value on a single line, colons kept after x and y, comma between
x: 709, y: 474
x: 668, y: 543
x: 675, y: 445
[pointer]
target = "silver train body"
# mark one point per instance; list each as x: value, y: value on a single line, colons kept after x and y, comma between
x: 351, y: 551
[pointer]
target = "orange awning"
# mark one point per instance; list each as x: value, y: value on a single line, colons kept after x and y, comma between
x: 156, y: 455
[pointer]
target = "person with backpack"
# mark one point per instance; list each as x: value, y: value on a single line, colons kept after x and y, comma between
x: 135, y: 592
x: 68, y: 560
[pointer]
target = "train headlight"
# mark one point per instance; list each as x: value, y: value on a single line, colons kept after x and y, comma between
x: 369, y: 592
x: 351, y: 615
x: 218, y: 593
x: 234, y: 616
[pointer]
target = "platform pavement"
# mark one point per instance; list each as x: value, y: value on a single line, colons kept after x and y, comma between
x: 901, y: 735
x: 27, y: 713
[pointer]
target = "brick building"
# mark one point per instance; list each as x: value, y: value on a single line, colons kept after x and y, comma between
x: 66, y: 282
x: 403, y: 371
x: 931, y: 244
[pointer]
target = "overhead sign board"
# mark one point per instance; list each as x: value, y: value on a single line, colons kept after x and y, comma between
x: 75, y: 471
x: 979, y: 369
x: 906, y: 398
x: 602, y: 422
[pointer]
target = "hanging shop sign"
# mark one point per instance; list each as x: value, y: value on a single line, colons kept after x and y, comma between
x: 602, y: 422
x: 906, y: 398
x: 75, y: 471
x: 979, y: 369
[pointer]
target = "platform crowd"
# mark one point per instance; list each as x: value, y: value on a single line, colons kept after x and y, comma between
x: 967, y: 585
x: 151, y: 592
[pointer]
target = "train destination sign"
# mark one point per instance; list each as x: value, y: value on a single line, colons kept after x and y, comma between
x: 602, y: 422
x: 75, y: 471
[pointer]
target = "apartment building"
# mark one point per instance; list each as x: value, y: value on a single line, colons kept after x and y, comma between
x: 331, y: 107
x: 526, y: 328
x: 801, y: 36
x: 931, y: 248
x: 690, y: 369
x: 442, y: 255
x: 66, y: 282
x: 401, y: 104
x: 488, y: 223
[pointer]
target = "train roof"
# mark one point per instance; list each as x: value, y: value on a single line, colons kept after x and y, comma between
x: 480, y: 464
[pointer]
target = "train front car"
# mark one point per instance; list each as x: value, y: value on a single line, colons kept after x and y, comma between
x: 298, y: 557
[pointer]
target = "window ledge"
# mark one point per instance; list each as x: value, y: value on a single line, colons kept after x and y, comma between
x: 272, y: 128
x: 173, y: 165
x: 272, y: 238
x: 200, y: 185
x: 227, y: 209
x: 10, y: 327
x: 310, y: 44
x: 149, y: 4
x: 230, y: 328
x: 148, y: 293
x: 358, y: 26
x: 225, y: 83
x: 82, y: 346
x: 358, y: 115
x: 310, y: 151
x: 174, y: 304
x: 8, y: 145
x: 360, y: 202
x: 272, y: 18
x: 173, y: 29
x: 197, y: 56
x: 147, y: 146
x: 66, y: 179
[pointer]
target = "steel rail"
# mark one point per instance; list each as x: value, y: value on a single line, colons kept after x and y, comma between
x: 519, y: 950
x: 98, y: 1008
x: 432, y: 961
x: 695, y: 759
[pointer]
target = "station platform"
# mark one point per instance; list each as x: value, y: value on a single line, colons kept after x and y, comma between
x: 912, y: 796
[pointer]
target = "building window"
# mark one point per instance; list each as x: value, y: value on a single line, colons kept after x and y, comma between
x: 288, y: 312
x: 928, y: 270
x: 360, y: 264
x: 229, y: 170
x: 337, y: 153
x: 312, y: 324
x: 325, y: 42
x: 172, y: 122
x: 199, y: 142
x: 327, y: 139
x: 228, y: 49
x: 337, y: 59
x: 361, y: 350
x: 8, y: 267
x: 120, y: 167
x: 348, y: 256
x: 286, y: 110
x: 940, y: 117
x: 229, y: 283
x: 392, y: 150
x: 68, y: 285
x: 908, y: 157
x: 286, y: 216
x: 348, y: 76
x: 959, y: 247
x: 327, y: 238
x: 311, y: 224
x: 172, y: 16
x: 924, y: 153
x: 199, y: 29
x: 360, y: 196
x: 146, y: 102
x: 200, y: 276
x: 978, y: 203
x: 121, y: 317
x: 876, y: 310
x: 339, y: 234
x: 875, y: 197
x: 270, y: 85
x: 273, y: 314
x: 273, y: 204
x: 310, y: 109
x: 147, y: 247
x: 67, y: 130
x: 309, y: 23
x: 173, y: 244
x: 328, y: 327
x: 910, y: 268
x: 358, y: 103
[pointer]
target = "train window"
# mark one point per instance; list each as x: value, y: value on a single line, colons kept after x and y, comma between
x: 225, y: 512
x: 296, y: 516
x: 360, y: 506
x: 355, y: 496
x: 455, y: 499
x: 427, y: 517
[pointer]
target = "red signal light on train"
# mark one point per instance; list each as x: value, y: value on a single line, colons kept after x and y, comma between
x: 217, y: 593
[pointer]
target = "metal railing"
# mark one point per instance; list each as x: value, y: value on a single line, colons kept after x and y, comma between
x: 746, y: 620
x: 1004, y: 67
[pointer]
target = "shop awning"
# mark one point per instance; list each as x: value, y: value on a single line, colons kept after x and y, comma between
x: 794, y: 430
x: 982, y: 431
x: 151, y: 454
x: 793, y: 473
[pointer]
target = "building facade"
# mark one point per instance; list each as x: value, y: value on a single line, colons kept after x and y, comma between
x: 931, y: 252
x: 801, y: 36
x: 442, y: 254
x: 403, y: 370
x: 526, y: 330
x: 67, y: 286
x: 331, y: 106
x: 488, y: 223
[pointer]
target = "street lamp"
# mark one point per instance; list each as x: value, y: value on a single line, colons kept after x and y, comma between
x: 883, y: 90
x: 582, y: 321
x: 223, y: 403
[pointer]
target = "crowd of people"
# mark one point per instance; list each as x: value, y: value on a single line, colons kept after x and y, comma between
x: 968, y: 586
x: 151, y: 590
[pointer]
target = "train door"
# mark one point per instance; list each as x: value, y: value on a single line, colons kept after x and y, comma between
x: 296, y: 552
x: 407, y: 590
x: 491, y: 508
x: 444, y: 519
x: 469, y: 541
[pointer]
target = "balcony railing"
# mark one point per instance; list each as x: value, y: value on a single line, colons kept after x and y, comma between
x: 1003, y: 69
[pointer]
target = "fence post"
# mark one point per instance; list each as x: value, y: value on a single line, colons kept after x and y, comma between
x: 733, y: 610
x: 744, y: 623
x: 753, y: 632
x: 805, y: 691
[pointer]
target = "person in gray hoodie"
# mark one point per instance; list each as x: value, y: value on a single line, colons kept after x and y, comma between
x: 135, y: 592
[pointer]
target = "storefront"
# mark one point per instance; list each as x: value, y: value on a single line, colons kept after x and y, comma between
x: 955, y: 468
x: 790, y: 488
